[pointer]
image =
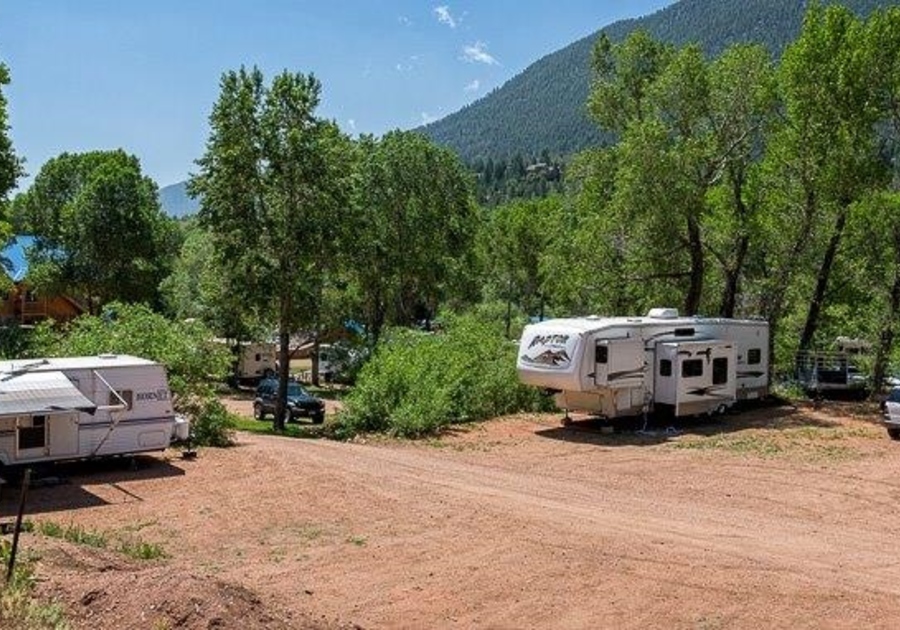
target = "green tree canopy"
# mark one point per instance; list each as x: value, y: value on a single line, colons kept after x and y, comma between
x: 102, y: 235
x: 415, y: 228
x: 275, y: 184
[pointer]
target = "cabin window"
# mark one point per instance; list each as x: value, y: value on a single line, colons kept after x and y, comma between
x: 602, y: 354
x: 665, y: 367
x: 125, y: 394
x: 34, y: 436
x: 692, y: 368
x: 258, y: 356
x: 720, y: 371
x: 754, y: 356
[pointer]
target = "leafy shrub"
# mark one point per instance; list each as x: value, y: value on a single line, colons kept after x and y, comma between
x: 184, y: 348
x: 417, y: 383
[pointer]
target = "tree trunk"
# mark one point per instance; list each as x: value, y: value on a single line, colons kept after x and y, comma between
x: 734, y: 273
x: 733, y: 279
x: 695, y: 290
x: 818, y: 300
x: 886, y: 342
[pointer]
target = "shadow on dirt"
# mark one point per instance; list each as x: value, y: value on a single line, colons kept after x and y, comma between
x: 59, y: 486
x: 775, y: 415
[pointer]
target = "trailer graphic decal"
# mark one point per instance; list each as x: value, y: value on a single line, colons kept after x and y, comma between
x: 614, y: 376
x: 549, y: 357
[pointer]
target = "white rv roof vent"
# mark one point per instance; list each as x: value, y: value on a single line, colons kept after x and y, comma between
x: 663, y: 313
x: 107, y: 355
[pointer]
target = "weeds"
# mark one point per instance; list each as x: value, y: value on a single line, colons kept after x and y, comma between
x: 125, y: 544
x: 18, y: 609
x: 807, y: 443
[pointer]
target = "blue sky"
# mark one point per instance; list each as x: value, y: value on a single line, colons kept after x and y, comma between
x: 143, y: 76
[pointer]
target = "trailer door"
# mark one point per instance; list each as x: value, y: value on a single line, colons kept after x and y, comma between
x: 618, y: 363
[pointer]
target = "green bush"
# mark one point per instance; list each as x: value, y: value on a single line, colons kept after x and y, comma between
x: 184, y: 348
x: 417, y: 383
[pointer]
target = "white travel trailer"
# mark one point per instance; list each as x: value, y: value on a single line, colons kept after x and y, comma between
x: 627, y: 366
x: 84, y: 407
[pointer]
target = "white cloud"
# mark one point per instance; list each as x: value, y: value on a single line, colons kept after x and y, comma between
x: 473, y: 86
x: 477, y: 53
x: 352, y: 124
x: 444, y: 16
x: 427, y: 118
x: 404, y: 21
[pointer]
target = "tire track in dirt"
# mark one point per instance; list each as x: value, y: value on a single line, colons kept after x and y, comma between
x: 817, y: 554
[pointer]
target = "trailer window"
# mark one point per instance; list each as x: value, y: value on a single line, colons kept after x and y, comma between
x: 602, y: 354
x: 34, y: 436
x: 754, y: 356
x: 665, y: 367
x: 126, y: 394
x: 692, y: 368
x: 720, y: 371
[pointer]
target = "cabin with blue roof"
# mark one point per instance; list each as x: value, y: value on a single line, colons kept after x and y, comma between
x: 21, y: 304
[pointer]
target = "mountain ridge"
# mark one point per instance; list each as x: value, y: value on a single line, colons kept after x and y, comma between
x: 543, y: 110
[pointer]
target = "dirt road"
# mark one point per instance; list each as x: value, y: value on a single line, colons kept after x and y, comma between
x: 776, y: 518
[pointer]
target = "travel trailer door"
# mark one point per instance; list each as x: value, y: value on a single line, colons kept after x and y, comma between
x: 618, y: 363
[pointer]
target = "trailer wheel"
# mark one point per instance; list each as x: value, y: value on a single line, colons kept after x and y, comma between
x: 894, y: 433
x: 258, y: 412
x: 318, y: 418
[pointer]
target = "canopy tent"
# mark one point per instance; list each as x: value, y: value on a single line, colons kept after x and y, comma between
x: 32, y: 393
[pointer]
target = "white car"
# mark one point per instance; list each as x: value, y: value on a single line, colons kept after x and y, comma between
x: 891, y: 410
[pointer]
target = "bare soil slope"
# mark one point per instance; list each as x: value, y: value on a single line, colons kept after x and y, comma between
x: 777, y: 517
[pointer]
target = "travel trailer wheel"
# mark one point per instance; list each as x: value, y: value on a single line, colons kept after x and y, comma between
x: 894, y: 433
x: 258, y: 412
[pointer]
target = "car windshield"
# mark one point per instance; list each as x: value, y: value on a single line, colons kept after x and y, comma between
x: 295, y: 390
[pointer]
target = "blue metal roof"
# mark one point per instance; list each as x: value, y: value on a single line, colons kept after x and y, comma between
x: 14, y: 256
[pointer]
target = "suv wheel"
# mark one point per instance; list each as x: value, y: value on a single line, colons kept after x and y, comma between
x: 258, y: 412
x: 319, y: 418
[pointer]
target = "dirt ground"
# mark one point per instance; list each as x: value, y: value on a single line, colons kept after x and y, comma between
x: 778, y: 517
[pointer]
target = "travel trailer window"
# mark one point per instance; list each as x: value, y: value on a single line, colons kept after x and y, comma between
x: 691, y: 368
x: 602, y: 354
x: 754, y: 356
x: 126, y: 394
x: 684, y: 332
x: 665, y: 367
x: 720, y: 371
x: 33, y: 436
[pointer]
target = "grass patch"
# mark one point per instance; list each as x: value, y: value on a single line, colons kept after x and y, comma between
x: 18, y: 608
x: 291, y: 429
x: 804, y: 443
x: 140, y: 550
x: 126, y: 544
x: 72, y: 533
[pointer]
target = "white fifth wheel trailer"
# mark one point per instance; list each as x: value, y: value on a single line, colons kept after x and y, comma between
x: 627, y: 366
x: 84, y: 407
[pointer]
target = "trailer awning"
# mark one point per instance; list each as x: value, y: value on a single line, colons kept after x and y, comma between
x: 40, y: 392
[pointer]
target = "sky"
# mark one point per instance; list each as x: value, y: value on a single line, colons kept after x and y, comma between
x: 143, y: 76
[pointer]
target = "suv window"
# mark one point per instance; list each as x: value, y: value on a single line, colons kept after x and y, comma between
x: 894, y: 396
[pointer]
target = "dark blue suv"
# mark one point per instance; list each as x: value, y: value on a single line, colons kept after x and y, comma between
x: 300, y: 403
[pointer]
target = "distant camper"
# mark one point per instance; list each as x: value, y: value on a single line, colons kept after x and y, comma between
x: 85, y: 407
x: 251, y: 361
x: 627, y: 366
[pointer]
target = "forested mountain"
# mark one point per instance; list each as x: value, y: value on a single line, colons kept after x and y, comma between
x: 543, y: 108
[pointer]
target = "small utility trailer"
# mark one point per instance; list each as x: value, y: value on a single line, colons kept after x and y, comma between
x: 84, y: 407
x: 628, y: 366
